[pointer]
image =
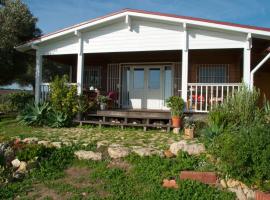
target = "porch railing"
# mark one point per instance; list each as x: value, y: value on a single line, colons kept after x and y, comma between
x: 45, y: 91
x: 203, y: 96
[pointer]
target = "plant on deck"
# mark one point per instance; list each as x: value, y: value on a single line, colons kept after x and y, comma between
x: 176, y: 104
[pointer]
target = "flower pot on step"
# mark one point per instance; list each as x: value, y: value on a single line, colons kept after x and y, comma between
x: 176, y: 122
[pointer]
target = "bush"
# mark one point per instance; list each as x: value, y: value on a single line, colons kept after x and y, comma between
x: 238, y: 135
x: 57, y: 119
x: 19, y: 100
x: 15, y: 102
x: 35, y: 114
x: 63, y: 98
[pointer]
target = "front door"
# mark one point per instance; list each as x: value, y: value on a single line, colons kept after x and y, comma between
x: 148, y: 86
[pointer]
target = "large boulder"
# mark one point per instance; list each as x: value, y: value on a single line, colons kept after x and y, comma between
x: 117, y: 151
x: 88, y: 155
x: 191, y: 148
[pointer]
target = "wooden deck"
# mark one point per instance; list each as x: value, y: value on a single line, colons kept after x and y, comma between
x: 130, y: 117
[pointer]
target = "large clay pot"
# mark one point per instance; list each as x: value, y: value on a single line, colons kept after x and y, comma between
x: 176, y: 122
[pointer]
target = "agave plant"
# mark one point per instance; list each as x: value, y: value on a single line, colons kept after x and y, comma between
x: 58, y: 119
x: 35, y: 114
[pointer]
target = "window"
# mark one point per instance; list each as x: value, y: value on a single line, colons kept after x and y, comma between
x: 213, y: 73
x: 167, y: 82
x: 154, y: 78
x: 138, y: 80
x: 92, y: 77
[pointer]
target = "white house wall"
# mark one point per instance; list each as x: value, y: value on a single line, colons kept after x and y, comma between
x: 67, y: 45
x: 144, y: 35
x: 211, y: 39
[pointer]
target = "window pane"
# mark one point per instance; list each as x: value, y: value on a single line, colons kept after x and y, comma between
x: 154, y: 78
x: 168, y: 82
x: 138, y: 80
x: 212, y: 74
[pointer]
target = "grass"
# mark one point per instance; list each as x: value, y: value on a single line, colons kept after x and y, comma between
x: 10, y: 128
x: 132, y: 178
x: 60, y: 176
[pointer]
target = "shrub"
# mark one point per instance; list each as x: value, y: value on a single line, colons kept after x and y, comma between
x: 57, y: 119
x: 15, y: 102
x: 35, y: 114
x: 63, y: 98
x: 238, y: 110
x: 19, y: 100
x: 238, y: 134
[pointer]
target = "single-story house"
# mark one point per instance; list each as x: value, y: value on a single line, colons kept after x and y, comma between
x: 145, y: 57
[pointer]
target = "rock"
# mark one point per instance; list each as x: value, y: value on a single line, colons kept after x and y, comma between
x: 190, y: 148
x: 223, y: 183
x: 22, y: 168
x: 168, y: 154
x: 9, y: 154
x: 143, y: 151
x: 102, y: 143
x: 177, y: 146
x: 44, y: 142
x: 250, y: 194
x: 240, y: 194
x: 16, y: 163
x: 176, y: 130
x: 30, y: 140
x: 88, y: 155
x: 195, y: 149
x: 56, y: 144
x: 3, y: 147
x: 116, y: 151
x: 231, y: 183
x: 17, y: 141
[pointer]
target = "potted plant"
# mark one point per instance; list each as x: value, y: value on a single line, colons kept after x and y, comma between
x: 176, y: 104
x: 189, y: 129
x: 102, y: 100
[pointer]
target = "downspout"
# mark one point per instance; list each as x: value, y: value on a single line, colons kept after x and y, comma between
x: 256, y: 69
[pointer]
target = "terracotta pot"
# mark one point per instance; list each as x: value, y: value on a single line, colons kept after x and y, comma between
x: 176, y: 122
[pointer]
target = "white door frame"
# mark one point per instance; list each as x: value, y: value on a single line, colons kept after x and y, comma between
x: 146, y: 67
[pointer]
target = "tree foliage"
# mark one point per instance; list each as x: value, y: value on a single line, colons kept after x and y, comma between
x: 17, y: 25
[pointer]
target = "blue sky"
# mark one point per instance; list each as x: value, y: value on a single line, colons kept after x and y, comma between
x: 56, y: 14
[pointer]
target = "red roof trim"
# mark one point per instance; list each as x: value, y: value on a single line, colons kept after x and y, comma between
x: 159, y: 14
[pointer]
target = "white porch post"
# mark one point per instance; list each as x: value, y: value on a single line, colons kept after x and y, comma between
x: 38, y: 75
x: 185, y: 64
x: 247, y: 60
x: 80, y: 63
x: 257, y: 68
